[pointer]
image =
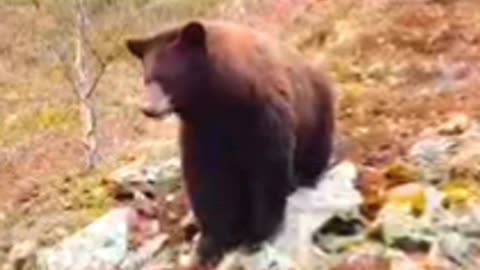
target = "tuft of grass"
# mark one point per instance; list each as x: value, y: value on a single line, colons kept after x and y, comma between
x: 56, y: 117
x: 88, y: 194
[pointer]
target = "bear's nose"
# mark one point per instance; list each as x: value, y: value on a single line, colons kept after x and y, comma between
x: 156, y: 104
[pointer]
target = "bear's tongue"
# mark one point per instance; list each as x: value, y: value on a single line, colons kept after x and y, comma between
x: 156, y: 104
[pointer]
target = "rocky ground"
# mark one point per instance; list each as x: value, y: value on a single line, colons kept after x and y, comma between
x: 408, y: 76
x: 420, y: 212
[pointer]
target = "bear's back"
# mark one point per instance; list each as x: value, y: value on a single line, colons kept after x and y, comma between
x: 273, y: 68
x: 229, y: 40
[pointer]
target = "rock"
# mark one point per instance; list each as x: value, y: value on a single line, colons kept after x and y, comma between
x: 444, y: 157
x: 142, y: 228
x: 102, y: 245
x: 185, y: 260
x: 411, y: 197
x: 146, y: 179
x: 22, y: 255
x: 172, y: 257
x: 138, y: 259
x: 461, y: 250
x: 399, y: 229
x: 412, y: 245
x: 145, y: 205
x: 307, y: 210
x: 340, y: 232
x: 431, y: 155
x: 466, y: 223
x: 106, y: 244
x: 268, y: 258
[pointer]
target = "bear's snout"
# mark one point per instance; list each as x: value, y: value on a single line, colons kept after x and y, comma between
x: 156, y: 103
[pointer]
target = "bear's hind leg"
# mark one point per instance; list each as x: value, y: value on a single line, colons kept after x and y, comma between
x: 269, y: 168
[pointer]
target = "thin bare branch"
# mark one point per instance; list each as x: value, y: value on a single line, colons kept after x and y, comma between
x: 102, y: 62
x: 86, y: 82
x: 95, y: 82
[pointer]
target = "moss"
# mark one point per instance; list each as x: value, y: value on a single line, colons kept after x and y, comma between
x: 56, y: 117
x: 461, y: 192
x: 401, y: 173
x: 88, y: 195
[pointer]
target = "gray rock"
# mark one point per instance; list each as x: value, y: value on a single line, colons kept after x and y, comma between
x: 432, y: 156
x: 102, y: 245
x: 136, y: 260
x: 147, y: 179
x: 432, y: 150
x: 442, y: 155
x: 461, y: 250
x: 404, y: 231
x: 268, y: 258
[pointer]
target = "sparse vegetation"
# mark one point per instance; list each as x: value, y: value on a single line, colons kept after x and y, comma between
x: 392, y: 61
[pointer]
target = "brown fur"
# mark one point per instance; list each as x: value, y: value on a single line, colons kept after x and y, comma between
x: 257, y: 122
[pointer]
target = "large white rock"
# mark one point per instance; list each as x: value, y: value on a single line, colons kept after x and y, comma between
x: 307, y: 210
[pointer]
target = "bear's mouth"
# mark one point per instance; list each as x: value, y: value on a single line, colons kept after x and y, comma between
x: 155, y: 113
x: 156, y: 103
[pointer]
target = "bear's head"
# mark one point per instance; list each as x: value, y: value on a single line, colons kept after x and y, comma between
x: 174, y: 65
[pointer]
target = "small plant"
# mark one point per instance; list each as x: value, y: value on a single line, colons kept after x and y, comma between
x: 56, y: 117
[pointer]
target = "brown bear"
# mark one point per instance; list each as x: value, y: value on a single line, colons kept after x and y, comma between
x: 257, y: 121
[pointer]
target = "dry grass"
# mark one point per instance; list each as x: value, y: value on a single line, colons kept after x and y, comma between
x: 41, y: 154
x: 402, y: 66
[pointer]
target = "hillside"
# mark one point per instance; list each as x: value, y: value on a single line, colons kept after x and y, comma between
x: 403, y: 68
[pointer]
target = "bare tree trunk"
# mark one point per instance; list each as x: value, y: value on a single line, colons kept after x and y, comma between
x: 86, y: 83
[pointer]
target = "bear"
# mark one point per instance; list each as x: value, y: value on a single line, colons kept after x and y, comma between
x: 256, y: 123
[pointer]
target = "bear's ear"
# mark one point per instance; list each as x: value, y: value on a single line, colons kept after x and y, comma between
x: 137, y: 47
x: 194, y: 33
